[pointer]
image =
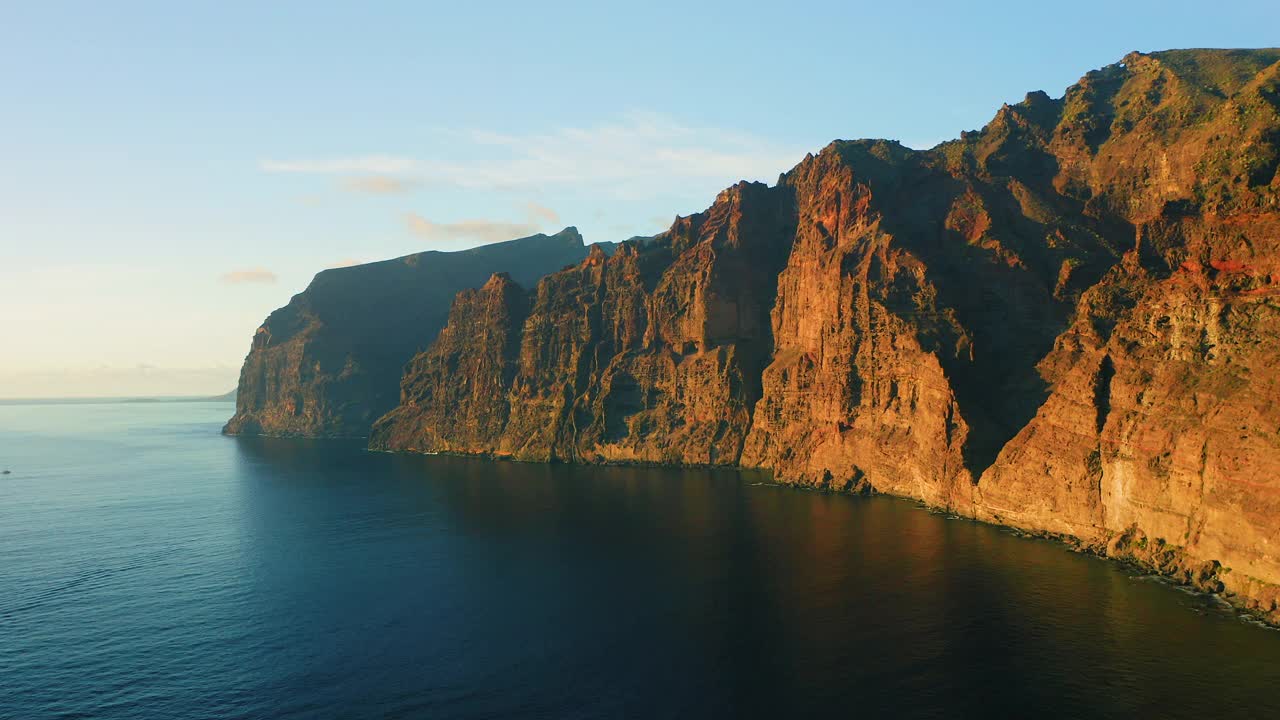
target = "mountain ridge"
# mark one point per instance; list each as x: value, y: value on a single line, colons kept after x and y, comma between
x: 1064, y: 322
x: 329, y: 363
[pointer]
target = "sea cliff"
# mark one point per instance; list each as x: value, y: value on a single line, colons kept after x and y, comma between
x: 329, y: 363
x: 1067, y: 322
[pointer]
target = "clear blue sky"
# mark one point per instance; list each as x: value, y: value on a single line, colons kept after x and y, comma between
x: 174, y: 171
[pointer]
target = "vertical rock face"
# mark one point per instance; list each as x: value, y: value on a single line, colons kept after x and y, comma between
x: 1162, y: 433
x: 1068, y: 321
x: 463, y: 380
x: 920, y: 293
x: 329, y: 363
x: 653, y: 354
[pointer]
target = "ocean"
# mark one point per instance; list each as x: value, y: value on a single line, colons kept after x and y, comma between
x: 152, y: 568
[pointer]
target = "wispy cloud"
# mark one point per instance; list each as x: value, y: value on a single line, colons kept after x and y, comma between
x: 538, y: 212
x: 479, y: 232
x: 246, y: 276
x: 359, y: 165
x: 639, y: 154
x: 379, y: 184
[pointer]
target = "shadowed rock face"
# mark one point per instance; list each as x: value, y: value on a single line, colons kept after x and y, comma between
x: 1068, y: 322
x: 329, y: 363
x: 653, y: 354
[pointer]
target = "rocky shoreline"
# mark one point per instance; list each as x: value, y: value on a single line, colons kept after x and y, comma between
x: 1066, y: 323
x: 1130, y: 548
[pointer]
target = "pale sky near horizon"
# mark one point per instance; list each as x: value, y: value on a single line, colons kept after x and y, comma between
x: 175, y: 171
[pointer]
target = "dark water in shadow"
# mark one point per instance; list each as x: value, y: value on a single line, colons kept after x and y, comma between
x: 150, y: 568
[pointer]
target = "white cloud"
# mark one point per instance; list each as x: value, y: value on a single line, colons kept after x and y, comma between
x: 483, y: 231
x: 364, y: 164
x: 473, y: 232
x: 640, y: 154
x: 538, y: 212
x: 379, y: 184
x: 256, y: 275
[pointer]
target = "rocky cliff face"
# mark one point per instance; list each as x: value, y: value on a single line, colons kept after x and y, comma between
x: 329, y: 363
x: 1068, y: 322
x: 651, y: 355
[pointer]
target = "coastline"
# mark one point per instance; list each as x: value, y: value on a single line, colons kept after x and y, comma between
x: 1129, y: 548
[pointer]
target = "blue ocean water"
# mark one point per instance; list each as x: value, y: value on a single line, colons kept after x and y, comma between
x: 151, y: 568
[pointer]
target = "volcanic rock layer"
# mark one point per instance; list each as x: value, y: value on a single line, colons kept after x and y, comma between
x: 1066, y: 322
x: 329, y: 363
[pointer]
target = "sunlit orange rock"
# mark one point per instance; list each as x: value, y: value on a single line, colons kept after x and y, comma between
x: 1065, y: 322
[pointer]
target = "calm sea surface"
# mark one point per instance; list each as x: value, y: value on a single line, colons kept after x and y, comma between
x: 150, y: 568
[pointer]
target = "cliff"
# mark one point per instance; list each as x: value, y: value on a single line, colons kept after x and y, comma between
x: 329, y: 363
x: 652, y: 355
x: 1067, y: 322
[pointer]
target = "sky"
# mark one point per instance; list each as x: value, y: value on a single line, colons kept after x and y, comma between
x: 172, y: 172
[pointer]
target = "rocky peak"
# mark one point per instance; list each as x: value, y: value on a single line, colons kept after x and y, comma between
x: 498, y: 280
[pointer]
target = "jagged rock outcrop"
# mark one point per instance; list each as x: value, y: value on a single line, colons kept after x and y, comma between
x: 1067, y: 322
x: 329, y: 363
x: 465, y: 377
x: 653, y: 354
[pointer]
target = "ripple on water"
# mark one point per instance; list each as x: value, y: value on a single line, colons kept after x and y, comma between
x: 158, y: 570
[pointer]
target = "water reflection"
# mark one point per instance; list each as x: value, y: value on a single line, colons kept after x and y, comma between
x: 464, y: 587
